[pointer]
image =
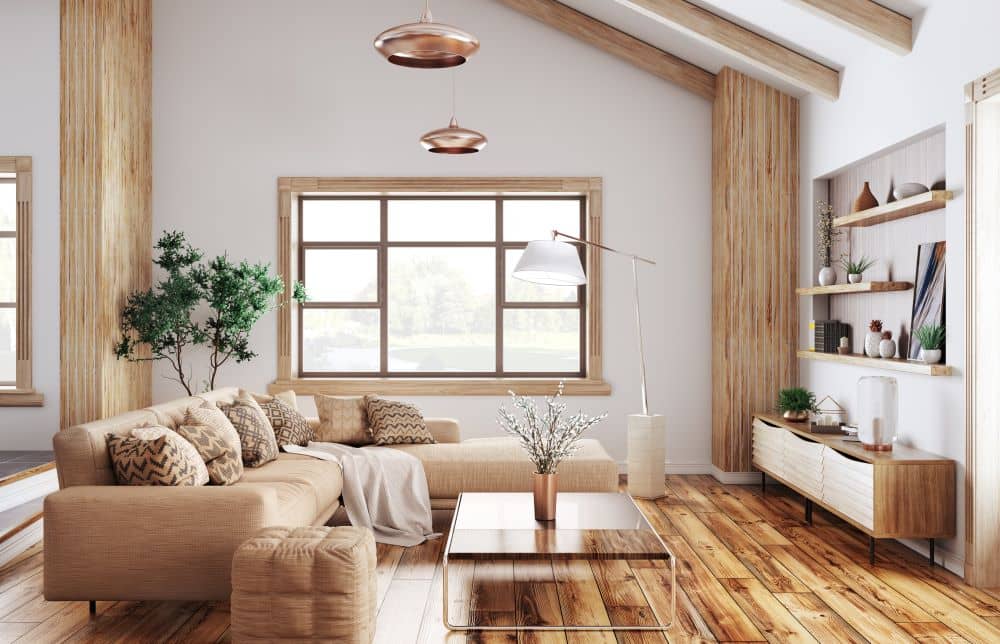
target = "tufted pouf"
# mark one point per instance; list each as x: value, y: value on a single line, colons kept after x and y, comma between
x: 305, y: 584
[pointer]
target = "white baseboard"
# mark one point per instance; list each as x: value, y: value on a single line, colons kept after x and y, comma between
x: 942, y: 556
x: 675, y: 468
x: 735, y: 478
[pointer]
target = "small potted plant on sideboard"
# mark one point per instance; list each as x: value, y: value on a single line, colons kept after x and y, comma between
x: 795, y: 403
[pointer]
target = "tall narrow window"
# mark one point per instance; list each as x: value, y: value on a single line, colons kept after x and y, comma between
x: 8, y: 280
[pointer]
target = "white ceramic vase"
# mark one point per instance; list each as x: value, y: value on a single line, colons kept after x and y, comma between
x: 854, y: 278
x: 872, y: 340
x: 887, y: 348
x: 930, y: 356
x: 827, y: 276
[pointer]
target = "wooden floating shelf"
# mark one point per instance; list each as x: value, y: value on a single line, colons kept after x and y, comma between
x: 889, y: 364
x: 861, y: 287
x: 915, y: 205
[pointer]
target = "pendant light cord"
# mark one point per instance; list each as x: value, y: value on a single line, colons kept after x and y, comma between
x: 453, y: 72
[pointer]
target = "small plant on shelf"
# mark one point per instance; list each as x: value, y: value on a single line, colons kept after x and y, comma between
x: 826, y: 234
x: 795, y: 403
x: 855, y: 268
x: 931, y: 338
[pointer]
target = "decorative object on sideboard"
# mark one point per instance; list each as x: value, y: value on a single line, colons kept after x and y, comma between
x: 557, y: 263
x: 887, y: 347
x: 795, y: 403
x: 426, y: 44
x: 856, y: 268
x: 928, y: 292
x: 548, y: 438
x: 453, y: 139
x: 827, y: 417
x: 214, y: 304
x: 931, y: 338
x: 873, y: 338
x: 878, y: 412
x: 826, y: 234
x: 909, y: 190
x: 845, y: 345
x: 866, y: 200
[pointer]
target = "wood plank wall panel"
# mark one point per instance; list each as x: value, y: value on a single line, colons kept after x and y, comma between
x: 893, y: 244
x: 755, y: 175
x: 106, y: 191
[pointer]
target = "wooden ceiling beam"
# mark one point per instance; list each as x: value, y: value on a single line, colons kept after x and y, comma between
x: 742, y: 43
x: 868, y: 19
x: 618, y: 43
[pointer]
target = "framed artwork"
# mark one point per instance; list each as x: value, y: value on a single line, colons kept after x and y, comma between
x: 928, y: 291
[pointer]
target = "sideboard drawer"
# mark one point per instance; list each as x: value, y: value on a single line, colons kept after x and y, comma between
x: 804, y: 463
x: 849, y: 486
x: 768, y: 447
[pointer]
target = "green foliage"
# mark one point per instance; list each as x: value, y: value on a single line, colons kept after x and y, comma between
x: 931, y: 336
x: 796, y: 399
x: 158, y: 324
x: 856, y: 267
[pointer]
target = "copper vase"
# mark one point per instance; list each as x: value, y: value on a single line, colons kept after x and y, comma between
x: 545, y: 497
x: 865, y: 200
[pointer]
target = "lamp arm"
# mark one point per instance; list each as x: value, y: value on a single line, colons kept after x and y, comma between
x: 556, y: 233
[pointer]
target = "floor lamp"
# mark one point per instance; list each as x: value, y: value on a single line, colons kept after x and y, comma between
x: 557, y: 263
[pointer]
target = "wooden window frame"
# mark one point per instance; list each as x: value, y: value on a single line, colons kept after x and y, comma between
x: 22, y: 393
x: 290, y: 189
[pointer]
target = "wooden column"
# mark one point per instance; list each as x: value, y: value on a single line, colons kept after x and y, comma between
x: 755, y: 177
x: 106, y: 189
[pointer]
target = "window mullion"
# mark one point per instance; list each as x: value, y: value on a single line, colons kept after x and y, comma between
x: 501, y: 286
x: 383, y: 287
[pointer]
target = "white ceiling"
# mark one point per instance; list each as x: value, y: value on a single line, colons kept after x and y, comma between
x: 784, y: 22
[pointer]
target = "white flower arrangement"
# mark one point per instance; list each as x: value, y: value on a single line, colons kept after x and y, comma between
x: 549, y: 438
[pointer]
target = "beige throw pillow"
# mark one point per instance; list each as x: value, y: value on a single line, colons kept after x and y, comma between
x: 152, y: 432
x: 154, y: 462
x: 288, y: 397
x: 257, y: 441
x: 342, y: 419
x: 396, y: 423
x: 216, y: 440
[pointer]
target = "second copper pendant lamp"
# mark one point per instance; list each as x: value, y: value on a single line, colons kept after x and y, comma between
x: 453, y: 139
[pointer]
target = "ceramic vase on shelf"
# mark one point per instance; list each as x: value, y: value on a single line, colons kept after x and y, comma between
x: 854, y: 278
x: 545, y: 496
x: 878, y: 411
x: 865, y: 200
x: 930, y: 356
x: 827, y: 276
x: 887, y: 347
x: 873, y: 338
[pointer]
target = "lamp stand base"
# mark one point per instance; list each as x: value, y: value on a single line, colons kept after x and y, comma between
x: 646, y: 455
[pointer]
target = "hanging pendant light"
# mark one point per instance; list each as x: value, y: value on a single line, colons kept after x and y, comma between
x: 453, y: 139
x: 426, y: 44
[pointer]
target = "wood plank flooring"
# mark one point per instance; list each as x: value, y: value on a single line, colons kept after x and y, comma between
x: 749, y: 570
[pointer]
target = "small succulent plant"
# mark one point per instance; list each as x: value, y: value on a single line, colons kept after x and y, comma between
x: 796, y: 399
x: 931, y: 336
x: 875, y: 325
x: 856, y: 267
x: 887, y: 335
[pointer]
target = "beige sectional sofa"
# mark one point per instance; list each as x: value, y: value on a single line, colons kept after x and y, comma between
x: 109, y: 542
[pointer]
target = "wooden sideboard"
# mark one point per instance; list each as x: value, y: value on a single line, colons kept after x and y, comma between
x: 902, y: 494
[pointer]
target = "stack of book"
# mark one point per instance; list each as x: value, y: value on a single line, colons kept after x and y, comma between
x: 824, y: 335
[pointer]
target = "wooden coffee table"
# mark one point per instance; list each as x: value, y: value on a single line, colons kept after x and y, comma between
x: 589, y: 527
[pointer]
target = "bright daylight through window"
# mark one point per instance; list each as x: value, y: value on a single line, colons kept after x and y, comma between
x: 421, y: 286
x: 8, y: 280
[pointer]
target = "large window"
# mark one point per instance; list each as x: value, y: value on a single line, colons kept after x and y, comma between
x: 8, y: 279
x: 421, y: 286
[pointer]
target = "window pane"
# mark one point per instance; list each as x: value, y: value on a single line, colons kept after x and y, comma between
x: 8, y: 269
x: 338, y: 220
x: 340, y: 339
x: 442, y: 309
x: 342, y: 275
x: 8, y: 356
x: 527, y: 220
x: 8, y: 204
x: 541, y: 340
x: 454, y: 220
x: 521, y: 291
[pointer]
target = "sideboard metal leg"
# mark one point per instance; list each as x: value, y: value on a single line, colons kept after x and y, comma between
x: 930, y: 555
x: 93, y: 607
x: 763, y: 483
x: 871, y: 550
x: 809, y: 511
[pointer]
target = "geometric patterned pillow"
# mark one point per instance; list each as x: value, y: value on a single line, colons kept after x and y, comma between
x: 342, y: 419
x: 257, y: 440
x: 216, y: 440
x: 396, y: 423
x: 290, y: 427
x: 152, y: 432
x: 156, y: 462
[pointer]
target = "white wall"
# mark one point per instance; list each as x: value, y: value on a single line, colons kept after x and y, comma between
x: 884, y: 99
x: 245, y: 92
x: 29, y: 125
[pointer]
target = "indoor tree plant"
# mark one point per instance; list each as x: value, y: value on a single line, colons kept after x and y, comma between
x: 160, y: 323
x: 548, y: 438
x: 795, y: 403
x: 826, y: 234
x: 931, y: 338
x: 855, y: 268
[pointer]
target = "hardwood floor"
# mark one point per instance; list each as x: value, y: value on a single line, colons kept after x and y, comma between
x: 749, y: 569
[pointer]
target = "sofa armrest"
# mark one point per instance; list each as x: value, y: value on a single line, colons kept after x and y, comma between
x: 444, y: 430
x: 136, y: 543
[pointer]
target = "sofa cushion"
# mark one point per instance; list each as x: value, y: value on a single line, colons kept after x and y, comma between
x: 151, y: 432
x: 322, y: 478
x: 396, y: 423
x: 257, y: 441
x: 290, y: 427
x: 500, y: 465
x: 216, y: 440
x: 159, y: 461
x: 342, y: 419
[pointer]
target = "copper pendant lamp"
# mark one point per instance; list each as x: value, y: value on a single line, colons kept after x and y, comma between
x: 426, y: 44
x: 453, y: 139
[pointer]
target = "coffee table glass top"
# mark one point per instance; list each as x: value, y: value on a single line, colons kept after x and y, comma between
x: 588, y: 525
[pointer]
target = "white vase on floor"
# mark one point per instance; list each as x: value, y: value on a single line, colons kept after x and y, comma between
x: 827, y: 276
x: 646, y: 455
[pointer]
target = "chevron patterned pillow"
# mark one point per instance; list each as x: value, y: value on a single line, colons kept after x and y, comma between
x: 154, y: 462
x: 257, y: 440
x: 396, y: 423
x: 152, y: 432
x: 216, y: 440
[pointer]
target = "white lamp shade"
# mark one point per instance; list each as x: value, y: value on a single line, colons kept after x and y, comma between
x: 550, y: 262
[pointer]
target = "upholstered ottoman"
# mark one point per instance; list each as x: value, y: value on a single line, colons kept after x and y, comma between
x: 305, y: 584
